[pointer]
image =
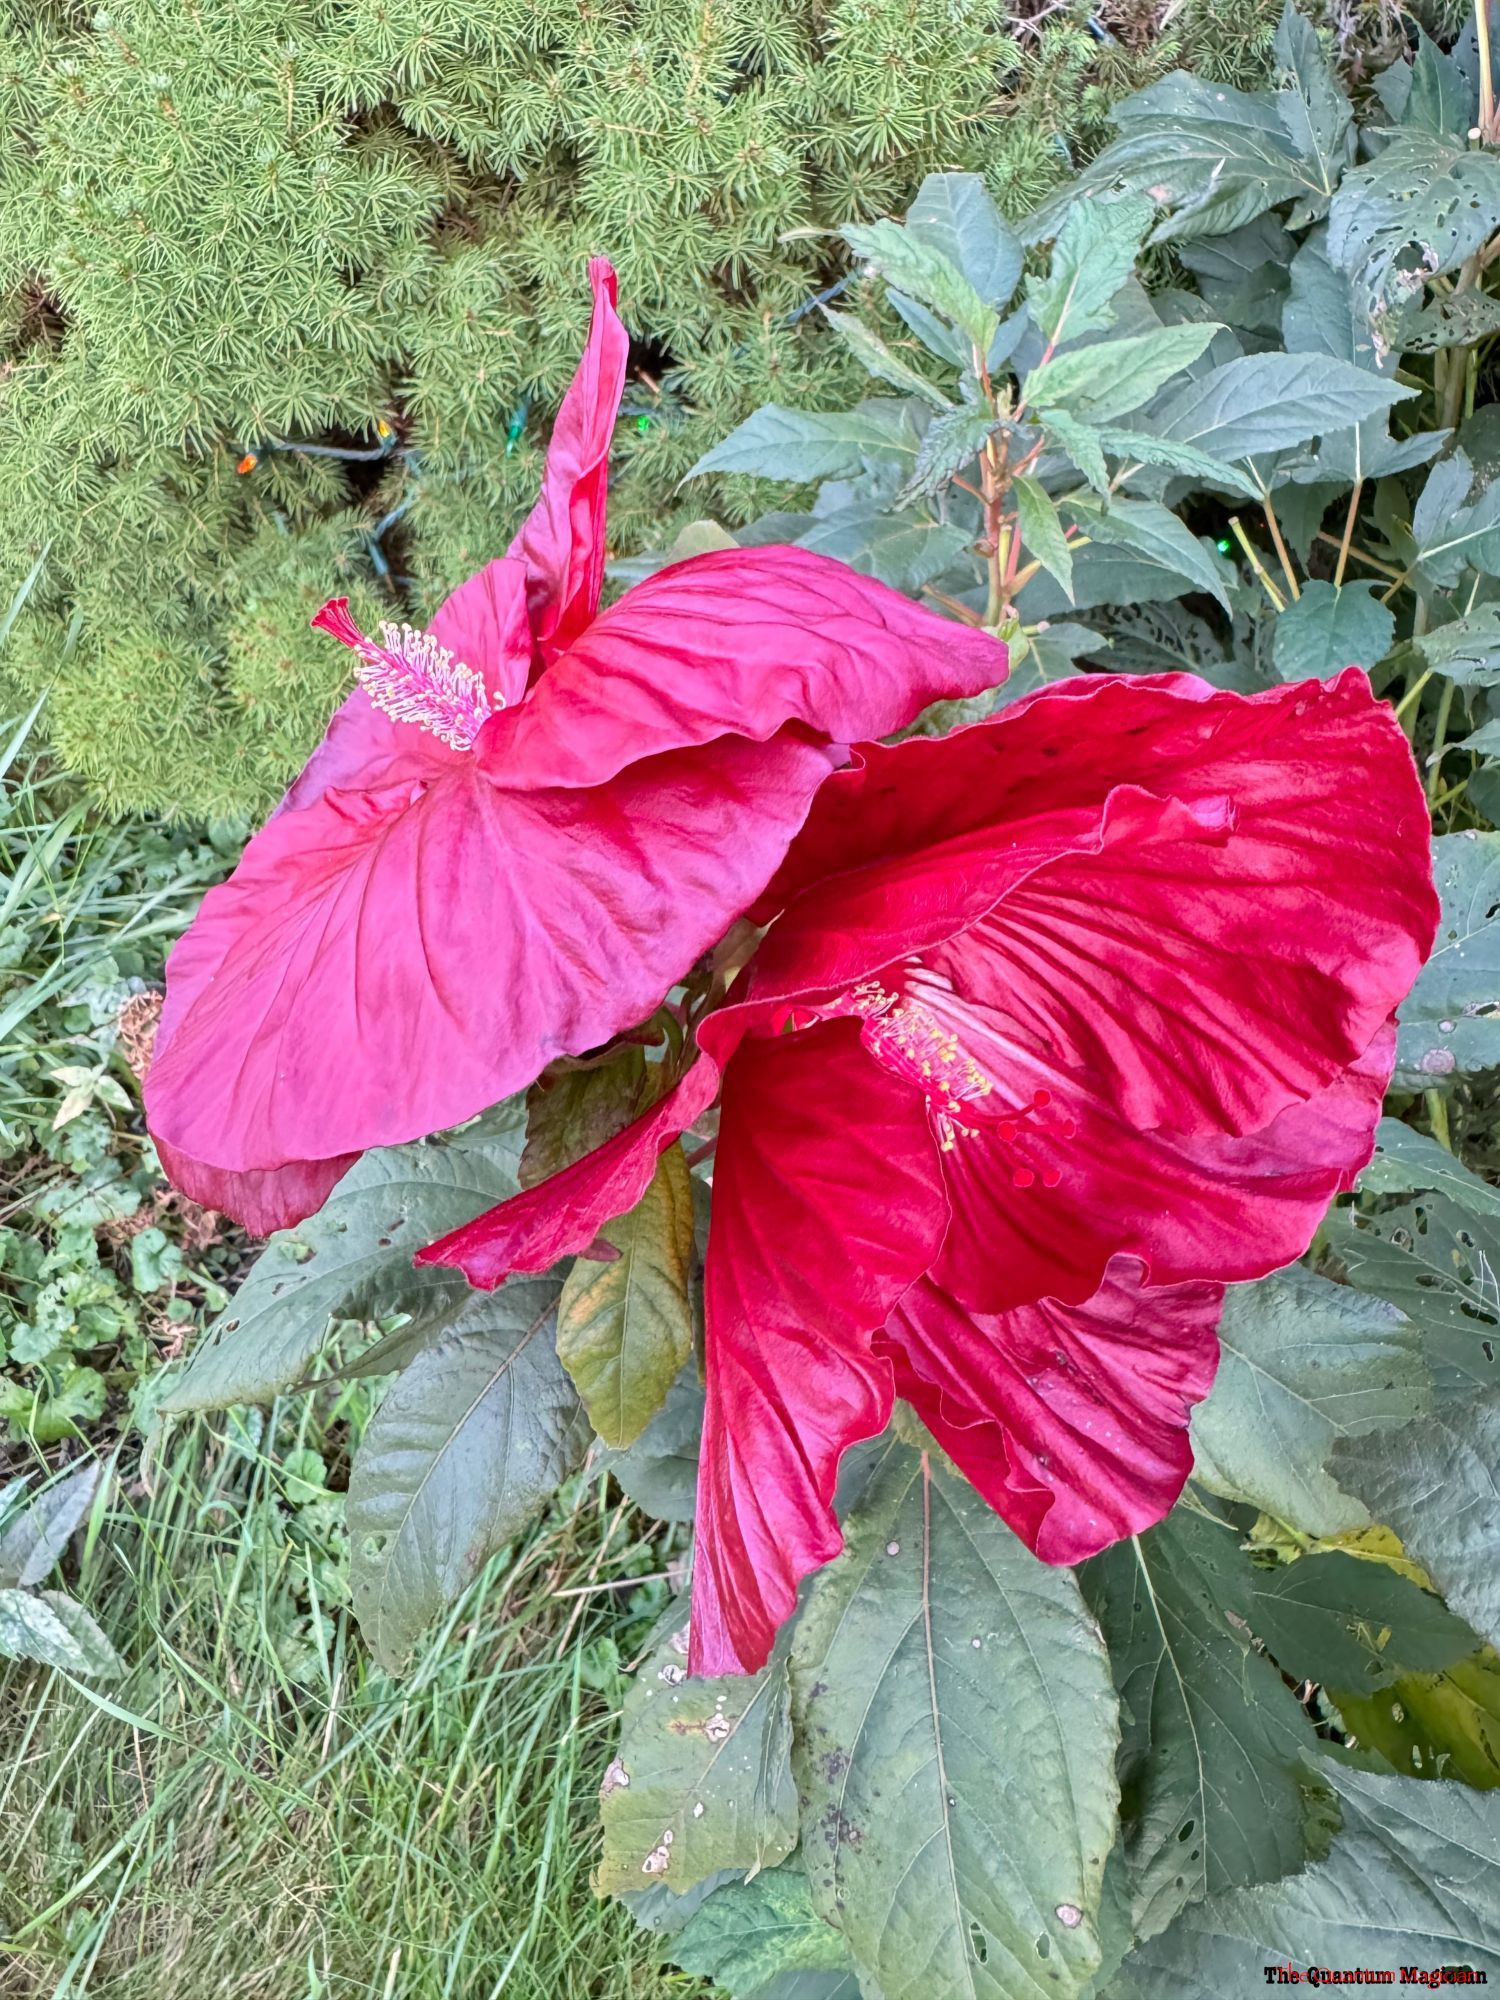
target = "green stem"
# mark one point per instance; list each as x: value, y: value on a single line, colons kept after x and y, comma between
x: 1437, y: 1116
x: 1439, y: 737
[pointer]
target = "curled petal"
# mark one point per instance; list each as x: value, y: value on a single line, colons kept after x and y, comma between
x: 485, y: 624
x: 563, y: 1214
x: 739, y: 642
x: 561, y: 541
x: 382, y: 965
x: 1070, y: 1420
x: 261, y: 1199
x: 827, y: 1204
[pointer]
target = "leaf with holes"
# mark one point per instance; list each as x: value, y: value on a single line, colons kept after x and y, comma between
x: 1450, y: 1021
x: 1436, y: 1484
x: 703, y: 1778
x: 1211, y: 1762
x: 1303, y: 1362
x: 1441, y: 1266
x: 1408, y: 1162
x: 468, y: 1445
x: 1412, y: 1879
x: 954, y: 1748
x: 352, y: 1260
x: 625, y: 1325
x: 1424, y: 204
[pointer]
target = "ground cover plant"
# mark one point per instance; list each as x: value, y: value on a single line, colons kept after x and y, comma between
x: 1002, y: 1109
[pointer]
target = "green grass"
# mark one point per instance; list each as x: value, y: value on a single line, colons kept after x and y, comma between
x: 257, y: 1811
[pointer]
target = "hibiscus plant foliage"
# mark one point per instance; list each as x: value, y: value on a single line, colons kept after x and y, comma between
x: 934, y: 1039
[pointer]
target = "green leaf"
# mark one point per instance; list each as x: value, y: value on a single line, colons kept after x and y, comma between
x: 1408, y: 1162
x: 1412, y: 1879
x: 954, y: 1748
x: 1269, y: 402
x: 352, y: 1260
x: 935, y: 334
x: 1348, y: 1623
x: 1094, y: 253
x: 703, y: 1780
x: 1442, y: 99
x: 625, y: 1327
x: 1183, y: 458
x: 1041, y: 532
x: 950, y: 442
x: 905, y: 549
x: 1327, y: 629
x: 1314, y: 110
x: 1211, y: 1762
x: 799, y: 446
x: 469, y: 1443
x: 1109, y: 378
x: 954, y: 215
x: 55, y: 1631
x: 1424, y: 202
x: 881, y: 361
x: 908, y: 259
x: 1450, y: 1021
x: 1304, y: 1362
x: 1450, y: 534
x: 660, y: 1470
x: 1436, y: 1484
x: 1213, y: 156
x: 1443, y: 1725
x: 571, y: 1111
x: 748, y: 1933
x: 1083, y: 443
x: 1466, y: 650
x: 1438, y: 1264
x: 38, y: 1532
x: 1154, y: 532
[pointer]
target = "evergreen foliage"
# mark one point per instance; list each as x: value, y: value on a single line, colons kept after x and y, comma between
x: 359, y: 227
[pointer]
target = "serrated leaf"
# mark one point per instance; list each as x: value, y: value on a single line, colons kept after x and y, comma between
x: 1093, y: 254
x: 55, y: 1631
x: 37, y: 1533
x: 1408, y: 1162
x: 1450, y: 1021
x: 703, y: 1778
x: 1154, y: 532
x: 625, y: 1327
x: 352, y: 1260
x: 954, y: 215
x: 950, y: 442
x: 660, y: 1470
x: 904, y: 550
x: 881, y: 361
x: 1436, y: 1484
x: 1041, y: 531
x: 469, y: 1443
x: 1083, y: 443
x: 1327, y: 629
x: 1211, y: 1762
x: 1425, y: 202
x: 1109, y: 378
x: 1182, y: 458
x: 1304, y: 1362
x: 1269, y: 402
x: 1344, y: 1623
x: 749, y: 1933
x: 800, y: 446
x: 1214, y: 157
x: 1412, y: 1879
x: 954, y: 1748
x: 911, y: 260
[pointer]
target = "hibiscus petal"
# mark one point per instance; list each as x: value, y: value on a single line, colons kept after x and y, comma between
x: 485, y: 624
x: 561, y: 541
x: 739, y: 642
x: 263, y: 1200
x: 364, y: 751
x: 827, y: 1204
x: 382, y: 965
x: 562, y: 1215
x: 1042, y: 1203
x: 1070, y: 1420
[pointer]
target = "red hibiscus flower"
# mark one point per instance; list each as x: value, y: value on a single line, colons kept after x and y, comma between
x: 521, y: 828
x: 1067, y: 1019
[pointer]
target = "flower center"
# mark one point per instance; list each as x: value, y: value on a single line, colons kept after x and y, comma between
x: 912, y: 1040
x: 411, y: 678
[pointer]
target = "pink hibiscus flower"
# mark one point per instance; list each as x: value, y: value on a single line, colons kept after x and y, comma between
x: 1067, y: 1020
x: 521, y: 828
